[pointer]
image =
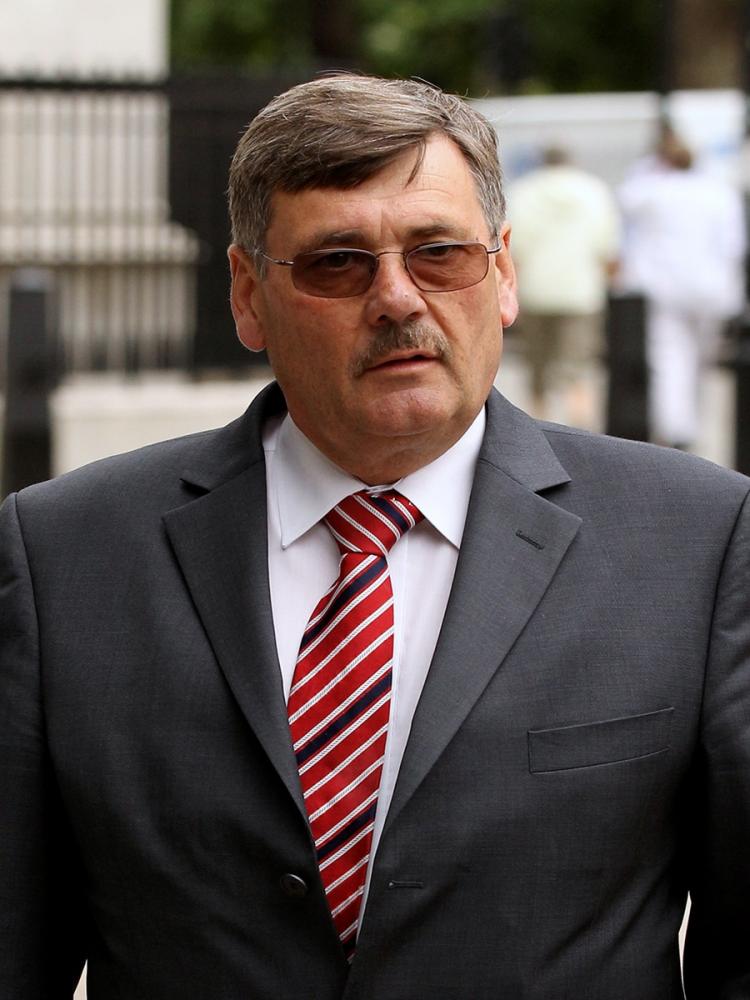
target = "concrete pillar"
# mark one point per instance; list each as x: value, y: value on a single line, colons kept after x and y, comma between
x: 85, y: 38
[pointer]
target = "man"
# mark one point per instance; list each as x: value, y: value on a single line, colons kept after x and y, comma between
x: 684, y: 253
x: 566, y: 235
x: 555, y: 627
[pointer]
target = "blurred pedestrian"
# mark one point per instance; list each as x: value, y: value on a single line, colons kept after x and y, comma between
x: 565, y: 245
x: 684, y: 246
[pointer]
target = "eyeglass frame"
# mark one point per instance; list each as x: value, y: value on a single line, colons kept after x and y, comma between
x: 405, y: 254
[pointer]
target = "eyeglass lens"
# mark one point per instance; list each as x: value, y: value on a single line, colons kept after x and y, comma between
x: 436, y: 267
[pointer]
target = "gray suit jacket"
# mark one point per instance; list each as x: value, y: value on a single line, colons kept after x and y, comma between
x: 579, y: 759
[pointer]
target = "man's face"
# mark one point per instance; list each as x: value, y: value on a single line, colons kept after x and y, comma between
x: 385, y: 381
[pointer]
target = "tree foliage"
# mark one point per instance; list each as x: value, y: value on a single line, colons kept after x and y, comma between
x: 471, y: 46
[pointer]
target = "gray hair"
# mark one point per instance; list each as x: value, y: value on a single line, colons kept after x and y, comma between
x: 337, y: 131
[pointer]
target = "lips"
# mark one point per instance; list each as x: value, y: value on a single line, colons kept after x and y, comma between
x: 397, y: 359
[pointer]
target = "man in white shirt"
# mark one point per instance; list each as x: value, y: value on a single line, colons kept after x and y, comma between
x: 566, y: 237
x: 684, y: 252
x: 550, y: 631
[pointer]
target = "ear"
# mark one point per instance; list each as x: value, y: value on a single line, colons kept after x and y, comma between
x: 506, y: 279
x: 244, y: 299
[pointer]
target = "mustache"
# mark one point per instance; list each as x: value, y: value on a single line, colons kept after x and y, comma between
x: 413, y: 336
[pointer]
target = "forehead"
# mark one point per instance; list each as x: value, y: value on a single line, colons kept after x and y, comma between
x: 439, y: 197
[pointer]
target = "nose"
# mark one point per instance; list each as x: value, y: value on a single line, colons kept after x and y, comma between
x: 393, y: 297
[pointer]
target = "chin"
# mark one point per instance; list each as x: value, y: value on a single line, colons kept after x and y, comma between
x: 411, y: 420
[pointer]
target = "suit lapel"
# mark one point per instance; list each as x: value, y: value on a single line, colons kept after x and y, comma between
x: 220, y: 542
x: 513, y: 543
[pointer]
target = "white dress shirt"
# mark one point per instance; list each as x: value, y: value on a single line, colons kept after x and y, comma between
x: 303, y: 561
x: 685, y: 241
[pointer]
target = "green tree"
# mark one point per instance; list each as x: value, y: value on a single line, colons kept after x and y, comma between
x: 471, y: 46
x: 594, y: 45
x: 258, y: 35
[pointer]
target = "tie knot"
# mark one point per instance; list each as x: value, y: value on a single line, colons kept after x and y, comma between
x: 371, y: 522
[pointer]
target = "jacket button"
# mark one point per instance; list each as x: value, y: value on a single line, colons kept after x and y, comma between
x: 293, y: 885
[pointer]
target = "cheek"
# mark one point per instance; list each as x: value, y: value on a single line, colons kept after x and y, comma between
x: 478, y: 335
x: 481, y: 353
x: 309, y: 360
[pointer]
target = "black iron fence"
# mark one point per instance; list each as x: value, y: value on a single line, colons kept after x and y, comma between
x: 118, y: 189
x: 207, y: 116
x: 113, y: 236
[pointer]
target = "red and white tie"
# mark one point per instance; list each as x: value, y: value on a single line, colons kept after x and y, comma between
x: 339, y: 702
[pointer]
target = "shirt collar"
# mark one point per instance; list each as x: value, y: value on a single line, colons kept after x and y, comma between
x: 309, y: 485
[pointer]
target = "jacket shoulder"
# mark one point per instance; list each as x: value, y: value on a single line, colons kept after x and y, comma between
x: 147, y: 481
x: 636, y: 468
x: 117, y: 473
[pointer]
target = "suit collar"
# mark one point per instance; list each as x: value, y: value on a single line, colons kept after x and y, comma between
x: 515, y: 445
x: 220, y: 541
x: 223, y: 454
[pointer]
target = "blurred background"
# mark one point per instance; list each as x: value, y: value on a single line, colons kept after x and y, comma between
x: 117, y: 124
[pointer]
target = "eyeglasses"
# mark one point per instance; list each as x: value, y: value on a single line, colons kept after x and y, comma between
x: 433, y: 267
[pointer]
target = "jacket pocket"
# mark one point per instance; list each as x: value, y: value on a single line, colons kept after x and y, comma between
x: 605, y: 742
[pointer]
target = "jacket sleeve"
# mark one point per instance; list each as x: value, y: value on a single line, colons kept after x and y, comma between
x: 42, y: 938
x: 717, y: 954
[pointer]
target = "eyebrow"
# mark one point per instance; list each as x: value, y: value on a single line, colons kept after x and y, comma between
x: 437, y: 228
x: 338, y: 238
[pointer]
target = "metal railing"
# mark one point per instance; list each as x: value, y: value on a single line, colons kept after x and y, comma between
x: 83, y: 195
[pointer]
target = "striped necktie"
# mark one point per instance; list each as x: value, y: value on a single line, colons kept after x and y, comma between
x: 339, y: 702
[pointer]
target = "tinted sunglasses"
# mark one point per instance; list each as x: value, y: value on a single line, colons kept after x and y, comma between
x: 344, y: 272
